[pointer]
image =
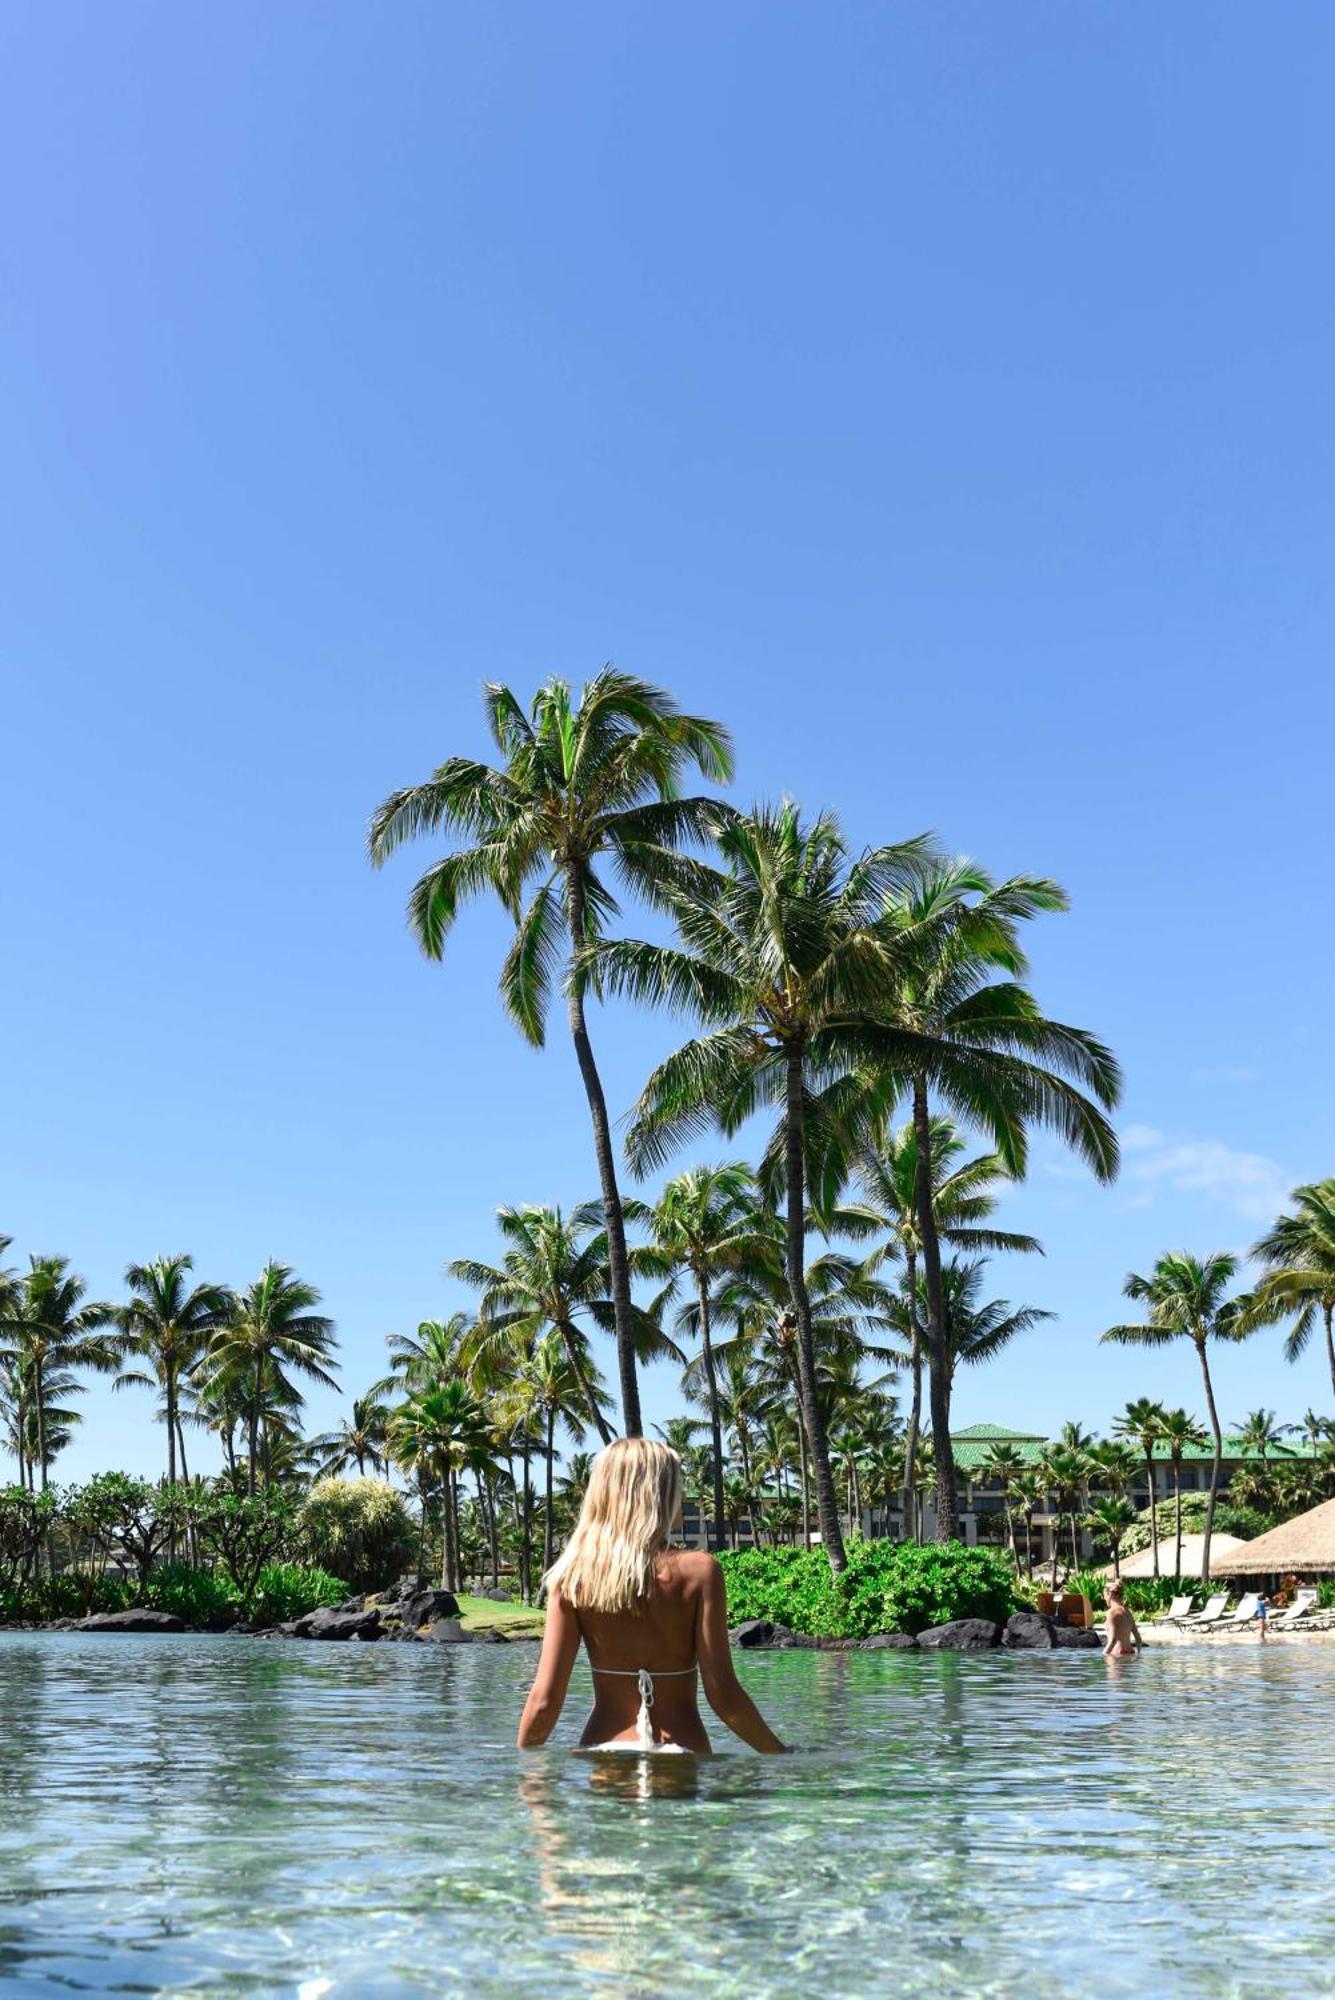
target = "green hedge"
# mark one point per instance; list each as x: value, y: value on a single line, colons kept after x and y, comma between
x: 203, y: 1598
x: 887, y: 1587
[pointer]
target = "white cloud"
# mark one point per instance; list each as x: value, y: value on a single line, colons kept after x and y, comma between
x: 1252, y: 1185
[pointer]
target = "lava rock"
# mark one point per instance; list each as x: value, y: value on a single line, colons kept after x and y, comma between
x: 493, y: 1636
x: 333, y: 1622
x: 1030, y: 1632
x: 447, y: 1632
x: 961, y: 1635
x: 888, y: 1642
x: 753, y: 1632
x: 1077, y: 1636
x: 424, y: 1607
x: 497, y: 1596
x: 130, y: 1621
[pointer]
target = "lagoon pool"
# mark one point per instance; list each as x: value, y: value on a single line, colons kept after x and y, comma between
x: 214, y: 1816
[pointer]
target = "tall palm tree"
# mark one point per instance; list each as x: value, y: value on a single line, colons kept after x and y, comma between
x: 559, y: 1397
x: 957, y: 1034
x: 1142, y: 1421
x: 1188, y: 1299
x: 1259, y: 1432
x: 435, y: 1433
x: 782, y: 954
x: 1029, y: 1492
x: 49, y: 1330
x: 1063, y: 1471
x: 1003, y: 1464
x: 169, y: 1323
x: 1111, y: 1516
x: 977, y: 1329
x: 360, y: 1440
x: 1298, y: 1257
x: 585, y: 785
x: 272, y: 1334
x: 705, y: 1221
x: 886, y: 1206
x: 1180, y: 1433
x: 554, y: 1273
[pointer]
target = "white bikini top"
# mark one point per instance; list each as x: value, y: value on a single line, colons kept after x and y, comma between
x: 644, y: 1731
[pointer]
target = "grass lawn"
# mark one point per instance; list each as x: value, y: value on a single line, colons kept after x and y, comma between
x: 517, y: 1621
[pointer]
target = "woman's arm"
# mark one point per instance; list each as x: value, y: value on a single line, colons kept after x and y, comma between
x: 723, y: 1691
x: 546, y: 1699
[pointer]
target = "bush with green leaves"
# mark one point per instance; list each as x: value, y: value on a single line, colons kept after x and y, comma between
x: 359, y: 1528
x: 1229, y: 1519
x: 69, y: 1595
x: 290, y: 1590
x: 25, y: 1521
x: 887, y: 1587
x: 203, y: 1598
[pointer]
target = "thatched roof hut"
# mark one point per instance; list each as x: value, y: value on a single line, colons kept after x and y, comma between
x: 1305, y: 1545
x: 1193, y: 1548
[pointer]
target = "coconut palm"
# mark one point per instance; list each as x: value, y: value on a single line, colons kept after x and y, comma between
x: 1110, y: 1516
x: 1180, y: 1434
x: 1063, y: 1472
x: 558, y: 1395
x: 1188, y: 1299
x: 955, y: 1034
x: 886, y: 1206
x: 584, y: 785
x: 1029, y: 1493
x: 706, y: 1221
x: 554, y: 1274
x: 977, y: 1329
x: 1004, y: 1466
x: 360, y: 1439
x: 782, y: 954
x: 50, y: 1330
x: 1142, y: 1421
x: 1259, y: 1432
x: 272, y: 1334
x: 169, y: 1323
x: 1298, y: 1257
x: 436, y: 1433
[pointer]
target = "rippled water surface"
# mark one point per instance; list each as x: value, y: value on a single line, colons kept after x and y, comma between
x: 192, y: 1816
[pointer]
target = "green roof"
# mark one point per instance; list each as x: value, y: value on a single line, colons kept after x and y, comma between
x: 973, y: 1444
x: 996, y: 1434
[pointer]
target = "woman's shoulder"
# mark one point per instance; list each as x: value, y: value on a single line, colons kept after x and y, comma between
x: 695, y: 1566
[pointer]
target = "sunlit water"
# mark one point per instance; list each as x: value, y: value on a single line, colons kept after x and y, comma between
x: 195, y: 1816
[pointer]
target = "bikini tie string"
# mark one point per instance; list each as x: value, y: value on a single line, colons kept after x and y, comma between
x: 644, y: 1730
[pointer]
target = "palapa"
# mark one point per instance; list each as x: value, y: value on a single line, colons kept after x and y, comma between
x: 1193, y: 1548
x: 1304, y: 1546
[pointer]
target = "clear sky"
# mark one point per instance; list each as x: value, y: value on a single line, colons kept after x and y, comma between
x: 940, y: 396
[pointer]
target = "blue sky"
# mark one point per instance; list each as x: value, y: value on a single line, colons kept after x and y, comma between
x: 939, y: 396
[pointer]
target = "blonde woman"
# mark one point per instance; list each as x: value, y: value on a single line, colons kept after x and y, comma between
x: 651, y: 1617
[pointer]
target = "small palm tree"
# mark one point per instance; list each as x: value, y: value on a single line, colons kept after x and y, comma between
x: 51, y: 1330
x: 1029, y: 1492
x: 584, y: 785
x: 1188, y: 1299
x: 360, y: 1439
x: 1004, y: 1466
x: 1180, y: 1434
x: 271, y: 1334
x: 1142, y: 1422
x: 1298, y: 1257
x: 1063, y: 1472
x: 1110, y: 1517
x: 169, y: 1323
x: 1259, y: 1432
x: 436, y: 1433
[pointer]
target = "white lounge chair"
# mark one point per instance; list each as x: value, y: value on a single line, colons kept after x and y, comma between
x: 1212, y: 1613
x: 1303, y: 1600
x: 1244, y: 1611
x: 1179, y: 1608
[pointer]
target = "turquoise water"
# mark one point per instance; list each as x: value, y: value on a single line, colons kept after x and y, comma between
x: 202, y: 1816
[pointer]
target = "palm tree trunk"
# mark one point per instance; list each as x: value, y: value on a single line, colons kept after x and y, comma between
x: 1177, y: 1520
x: 715, y: 1420
x: 170, y: 1386
x: 938, y: 1357
x: 1154, y: 1509
x: 1328, y: 1314
x: 1216, y: 1465
x: 806, y: 1480
x: 445, y: 1564
x: 602, y: 1145
x: 526, y: 1536
x: 493, y: 1536
x: 827, y: 1504
x: 548, y: 1552
x: 915, y: 1407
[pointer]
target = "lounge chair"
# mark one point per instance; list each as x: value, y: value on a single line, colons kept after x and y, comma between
x: 1213, y: 1611
x: 1244, y: 1611
x: 1303, y: 1600
x: 1179, y: 1608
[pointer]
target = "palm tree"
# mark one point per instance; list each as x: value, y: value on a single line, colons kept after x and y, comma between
x: 705, y: 1221
x: 1298, y: 1255
x: 360, y: 1439
x: 963, y: 1199
x: 1260, y: 1433
x: 1111, y: 1516
x: 436, y: 1432
x: 1142, y: 1420
x: 1180, y: 1434
x: 584, y: 785
x: 976, y: 1329
x: 1003, y: 1465
x: 954, y: 1032
x: 559, y: 1397
x: 169, y: 1322
x: 783, y: 955
x: 1187, y: 1300
x: 1029, y: 1491
x: 271, y: 1334
x: 48, y: 1331
x: 1063, y: 1471
x: 555, y: 1272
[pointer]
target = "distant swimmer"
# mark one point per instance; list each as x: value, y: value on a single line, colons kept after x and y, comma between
x: 1122, y: 1639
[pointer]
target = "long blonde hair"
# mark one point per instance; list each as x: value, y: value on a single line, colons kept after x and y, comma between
x: 630, y: 1509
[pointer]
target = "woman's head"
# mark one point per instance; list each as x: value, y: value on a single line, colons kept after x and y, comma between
x: 630, y: 1510
x: 1113, y: 1591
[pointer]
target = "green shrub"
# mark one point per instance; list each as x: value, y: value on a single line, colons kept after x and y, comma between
x: 1325, y: 1595
x: 887, y: 1587
x: 205, y: 1598
x: 1229, y: 1519
x: 290, y: 1590
x: 358, y: 1528
x: 69, y: 1595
